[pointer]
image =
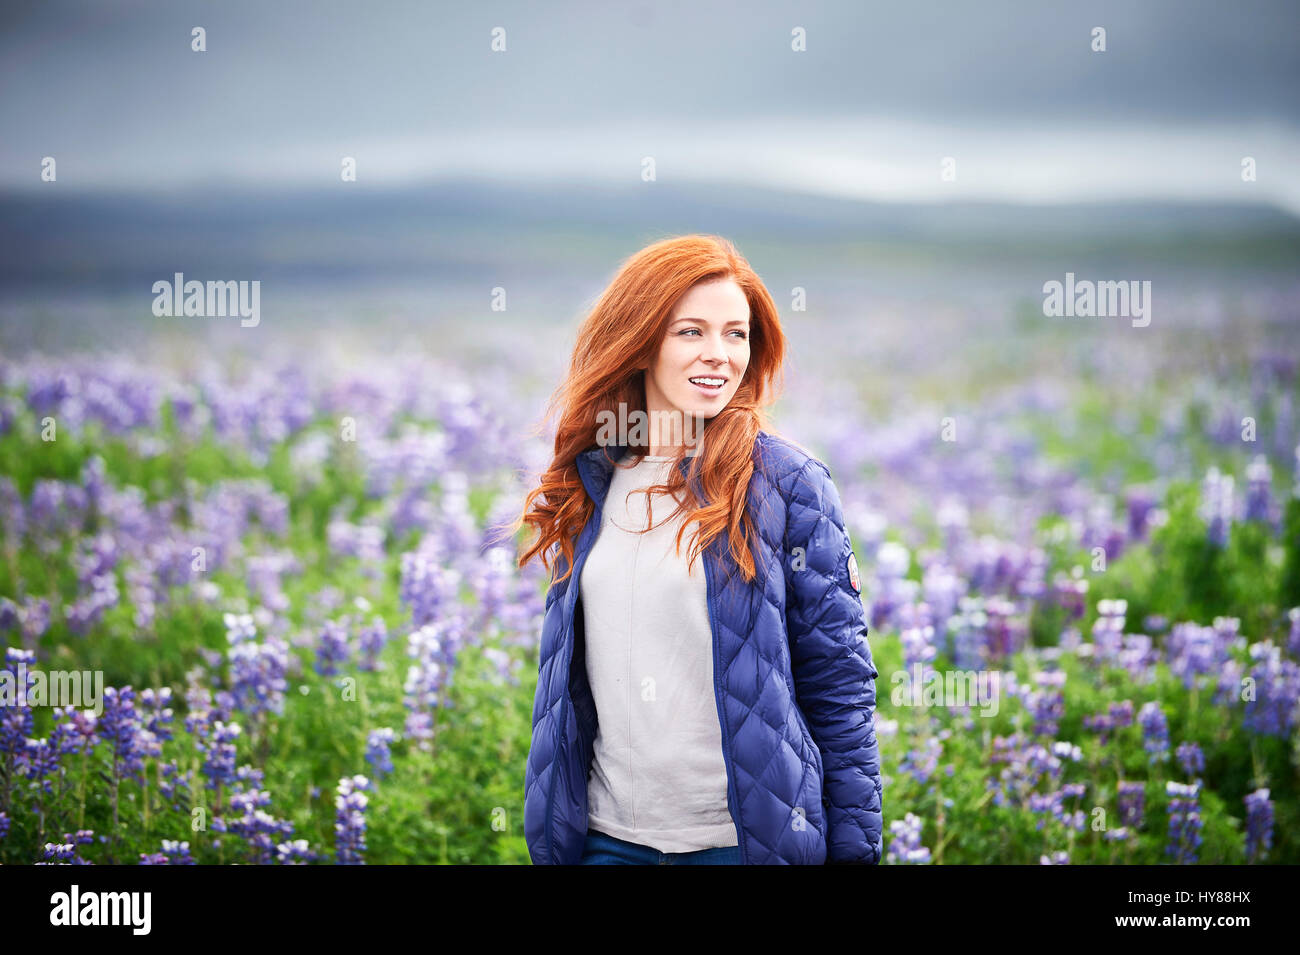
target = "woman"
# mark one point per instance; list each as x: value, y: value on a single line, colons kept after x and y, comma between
x: 716, y: 706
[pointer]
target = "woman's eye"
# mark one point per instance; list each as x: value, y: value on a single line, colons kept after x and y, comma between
x: 688, y: 330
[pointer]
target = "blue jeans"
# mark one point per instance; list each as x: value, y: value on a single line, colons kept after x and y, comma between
x: 602, y: 849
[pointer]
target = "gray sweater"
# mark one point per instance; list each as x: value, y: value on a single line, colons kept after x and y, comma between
x: 658, y: 777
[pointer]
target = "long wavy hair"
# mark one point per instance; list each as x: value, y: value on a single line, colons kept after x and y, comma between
x: 622, y: 334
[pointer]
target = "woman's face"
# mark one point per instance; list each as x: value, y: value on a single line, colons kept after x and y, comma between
x: 707, y: 337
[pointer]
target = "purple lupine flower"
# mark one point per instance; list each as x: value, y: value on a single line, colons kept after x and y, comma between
x: 1184, y: 822
x: 427, y: 588
x: 1155, y: 623
x: 434, y: 648
x: 1053, y: 804
x: 921, y: 762
x: 265, y: 574
x: 1101, y: 530
x: 905, y: 843
x: 918, y: 648
x: 13, y: 516
x: 1259, y: 825
x: 1140, y: 502
x: 363, y: 541
x: 1273, y: 710
x: 1139, y: 657
x: 350, y: 820
x: 38, y: 761
x: 65, y: 738
x: 74, y: 730
x: 1191, y: 758
x: 1108, y: 630
x: 1117, y: 716
x: 173, y: 853
x: 17, y: 722
x: 83, y: 614
x: 1259, y: 491
x: 1007, y: 630
x: 507, y: 667
x: 410, y: 510
x: 332, y: 648
x: 968, y: 627
x: 1027, y: 764
x: 65, y: 852
x: 1047, y: 705
x: 1056, y: 858
x: 377, y: 752
x: 250, y: 820
x: 94, y: 479
x: 294, y: 852
x: 61, y: 854
x: 1070, y: 592
x: 173, y: 780
x: 942, y: 588
x: 490, y: 581
x: 10, y: 615
x: 372, y: 641
x: 157, y: 713
x: 889, y: 588
x: 1217, y: 505
x: 1295, y: 472
x: 1132, y: 798
x: 219, y: 754
x: 1155, y: 732
x: 4, y: 825
x: 1194, y: 651
x: 119, y: 725
x: 35, y: 619
x: 257, y: 670
x: 1031, y: 583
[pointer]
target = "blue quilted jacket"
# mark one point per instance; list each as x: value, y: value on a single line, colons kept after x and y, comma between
x: 793, y: 678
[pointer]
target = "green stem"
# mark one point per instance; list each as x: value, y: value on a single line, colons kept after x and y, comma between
x: 81, y: 788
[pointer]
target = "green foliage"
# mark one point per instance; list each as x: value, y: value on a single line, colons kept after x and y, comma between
x: 461, y: 799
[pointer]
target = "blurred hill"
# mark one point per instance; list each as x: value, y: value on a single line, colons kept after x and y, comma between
x: 472, y: 232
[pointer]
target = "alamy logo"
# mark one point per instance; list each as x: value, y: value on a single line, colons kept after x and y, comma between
x: 1088, y: 299
x: 83, y: 689
x: 182, y: 298
x: 637, y: 427
x: 922, y: 687
x: 102, y: 908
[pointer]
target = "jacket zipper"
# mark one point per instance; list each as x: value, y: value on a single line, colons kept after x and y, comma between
x: 733, y: 799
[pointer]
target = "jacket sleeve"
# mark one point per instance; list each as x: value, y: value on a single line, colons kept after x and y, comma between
x: 832, y: 666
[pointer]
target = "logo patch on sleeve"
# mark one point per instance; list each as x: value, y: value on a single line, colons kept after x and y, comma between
x: 852, y: 563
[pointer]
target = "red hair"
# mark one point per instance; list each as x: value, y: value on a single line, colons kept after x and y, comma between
x: 620, y: 335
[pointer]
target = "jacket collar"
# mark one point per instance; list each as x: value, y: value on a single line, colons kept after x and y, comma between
x: 596, y: 467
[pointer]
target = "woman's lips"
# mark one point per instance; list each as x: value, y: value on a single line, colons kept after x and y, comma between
x: 707, y: 391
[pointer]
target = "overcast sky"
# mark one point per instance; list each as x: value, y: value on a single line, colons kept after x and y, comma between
x: 711, y: 90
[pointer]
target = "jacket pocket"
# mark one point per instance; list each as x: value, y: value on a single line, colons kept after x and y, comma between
x: 817, y: 784
x: 817, y: 792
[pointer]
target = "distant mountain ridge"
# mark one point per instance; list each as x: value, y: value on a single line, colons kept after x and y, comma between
x: 458, y: 228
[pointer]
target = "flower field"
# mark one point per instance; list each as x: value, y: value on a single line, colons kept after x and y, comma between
x: 316, y: 647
